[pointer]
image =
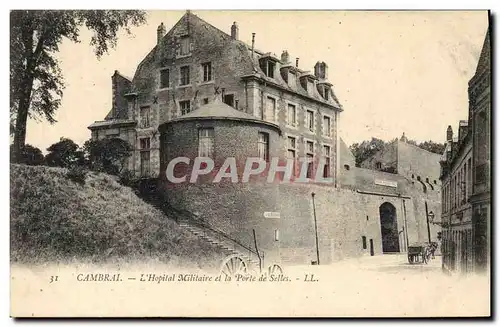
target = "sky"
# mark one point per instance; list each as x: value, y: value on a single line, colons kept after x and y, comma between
x: 393, y: 72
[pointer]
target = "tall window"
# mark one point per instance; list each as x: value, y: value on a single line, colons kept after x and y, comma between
x: 145, y: 117
x: 270, y: 109
x: 145, y: 163
x: 145, y: 144
x: 310, y: 157
x: 292, y: 115
x: 164, y: 78
x: 185, y: 46
x: 310, y: 120
x: 263, y: 146
x: 292, y: 151
x: 185, y: 107
x: 206, y: 142
x: 326, y: 126
x: 207, y: 71
x: 326, y: 156
x: 185, y: 80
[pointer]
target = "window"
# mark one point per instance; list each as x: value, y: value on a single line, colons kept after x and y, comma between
x: 145, y: 143
x: 363, y: 238
x: 346, y: 167
x: 292, y: 115
x: 326, y: 126
x: 268, y: 67
x: 145, y: 163
x: 185, y: 107
x: 270, y: 109
x: 206, y: 142
x: 164, y: 78
x: 263, y: 146
x: 379, y: 165
x: 205, y: 101
x: 310, y: 158
x: 185, y: 80
x: 185, y: 46
x: 229, y: 99
x: 207, y: 71
x: 144, y: 117
x: 326, y: 93
x: 326, y: 155
x: 310, y: 120
x: 292, y: 151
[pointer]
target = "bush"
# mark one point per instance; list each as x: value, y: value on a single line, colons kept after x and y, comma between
x: 128, y: 178
x: 107, y: 155
x: 30, y: 155
x: 77, y: 174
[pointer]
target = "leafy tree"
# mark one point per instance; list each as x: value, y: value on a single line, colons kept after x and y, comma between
x: 432, y: 147
x: 30, y: 155
x: 366, y: 149
x: 107, y: 155
x: 64, y: 153
x: 36, y: 81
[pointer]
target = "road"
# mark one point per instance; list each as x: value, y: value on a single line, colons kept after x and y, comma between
x: 387, y: 285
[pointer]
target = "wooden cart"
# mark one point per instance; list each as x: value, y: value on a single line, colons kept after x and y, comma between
x: 417, y: 254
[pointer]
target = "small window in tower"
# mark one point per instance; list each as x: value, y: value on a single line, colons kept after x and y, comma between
x: 379, y: 165
x: 363, y: 238
x: 205, y: 101
x: 435, y: 182
x: 347, y: 167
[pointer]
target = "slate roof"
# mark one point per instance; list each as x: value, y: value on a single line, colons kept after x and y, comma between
x: 218, y: 110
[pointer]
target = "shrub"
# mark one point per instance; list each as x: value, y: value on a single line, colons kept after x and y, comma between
x: 128, y: 178
x: 30, y: 155
x: 77, y: 174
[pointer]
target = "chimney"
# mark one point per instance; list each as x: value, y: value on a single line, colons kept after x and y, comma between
x: 321, y: 70
x: 253, y: 43
x: 285, y: 57
x: 234, y: 31
x: 160, y: 33
x: 297, y: 62
x: 449, y: 134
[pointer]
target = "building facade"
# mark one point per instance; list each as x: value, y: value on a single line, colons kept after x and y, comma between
x: 194, y: 64
x: 481, y: 121
x: 456, y: 215
x: 466, y: 185
x: 203, y: 93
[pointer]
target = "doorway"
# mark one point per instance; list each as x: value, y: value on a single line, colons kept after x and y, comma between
x: 389, y: 228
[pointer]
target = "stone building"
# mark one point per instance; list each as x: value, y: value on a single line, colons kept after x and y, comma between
x: 203, y: 93
x: 193, y: 64
x: 456, y: 218
x: 467, y: 179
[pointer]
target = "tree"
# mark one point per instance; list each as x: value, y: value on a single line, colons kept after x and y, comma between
x: 36, y: 81
x: 107, y: 155
x: 366, y: 149
x: 30, y: 155
x: 432, y: 147
x: 64, y: 153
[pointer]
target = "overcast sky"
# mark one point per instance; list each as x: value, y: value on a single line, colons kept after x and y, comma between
x: 393, y: 72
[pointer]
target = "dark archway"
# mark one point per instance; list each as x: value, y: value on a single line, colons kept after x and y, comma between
x: 389, y: 228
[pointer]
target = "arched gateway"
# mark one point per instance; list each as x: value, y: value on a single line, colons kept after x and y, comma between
x: 389, y: 228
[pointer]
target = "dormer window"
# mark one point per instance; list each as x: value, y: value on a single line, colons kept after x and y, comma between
x: 268, y: 65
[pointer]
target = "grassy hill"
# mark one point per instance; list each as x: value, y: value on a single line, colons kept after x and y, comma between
x: 54, y: 219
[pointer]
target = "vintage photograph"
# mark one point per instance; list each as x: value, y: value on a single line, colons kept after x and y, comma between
x: 216, y: 163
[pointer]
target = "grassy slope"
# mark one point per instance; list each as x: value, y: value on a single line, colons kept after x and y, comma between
x: 54, y: 219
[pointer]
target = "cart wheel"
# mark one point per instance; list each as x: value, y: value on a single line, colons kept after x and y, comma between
x: 274, y: 269
x: 233, y: 266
